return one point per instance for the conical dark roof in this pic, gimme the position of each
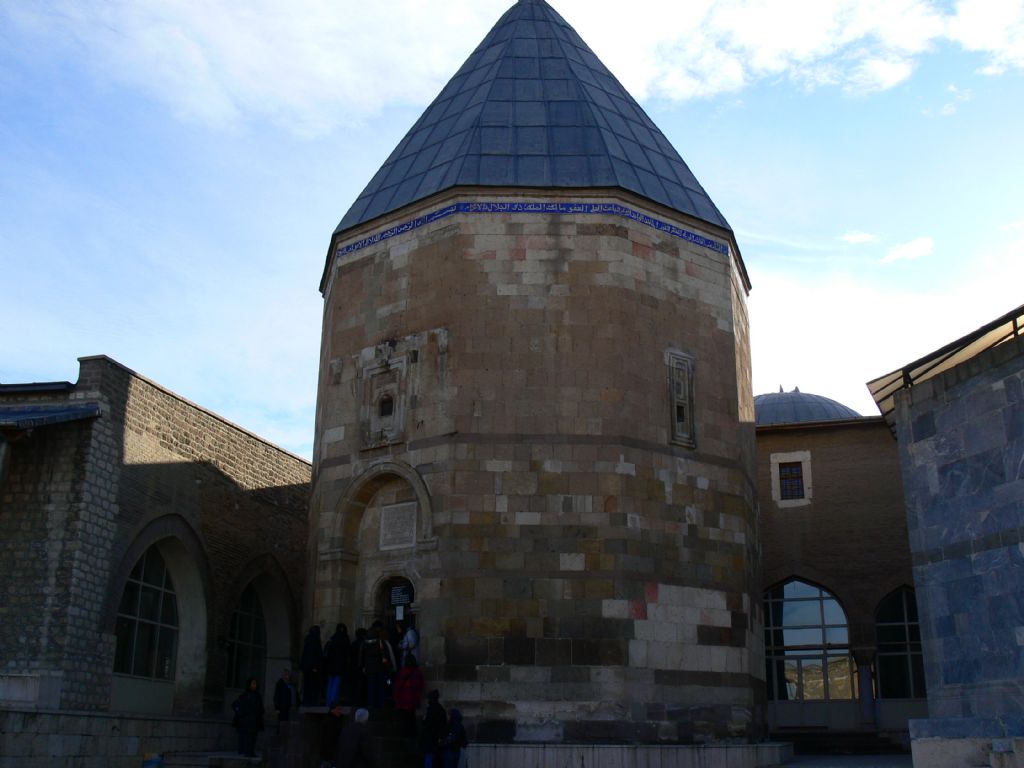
(533, 107)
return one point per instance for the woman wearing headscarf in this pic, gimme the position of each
(248, 720)
(455, 740)
(312, 668)
(335, 661)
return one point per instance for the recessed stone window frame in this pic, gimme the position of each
(781, 461)
(682, 427)
(147, 621)
(247, 641)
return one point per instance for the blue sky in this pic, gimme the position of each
(171, 173)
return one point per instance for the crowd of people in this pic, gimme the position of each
(378, 670)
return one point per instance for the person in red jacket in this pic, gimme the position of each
(409, 693)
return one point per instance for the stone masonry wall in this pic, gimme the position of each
(88, 493)
(961, 438)
(29, 739)
(36, 502)
(584, 578)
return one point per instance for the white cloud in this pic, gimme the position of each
(855, 237)
(313, 64)
(1014, 226)
(993, 27)
(915, 249)
(875, 327)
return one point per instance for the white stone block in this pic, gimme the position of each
(572, 561)
(615, 609)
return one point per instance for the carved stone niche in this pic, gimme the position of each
(388, 380)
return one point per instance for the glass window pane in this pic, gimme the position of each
(244, 628)
(911, 599)
(840, 682)
(800, 589)
(893, 677)
(149, 604)
(802, 613)
(137, 570)
(813, 680)
(890, 610)
(833, 612)
(145, 650)
(769, 676)
(129, 600)
(917, 669)
(837, 636)
(124, 631)
(774, 614)
(154, 568)
(791, 674)
(165, 654)
(892, 634)
(803, 637)
(915, 632)
(259, 633)
(169, 614)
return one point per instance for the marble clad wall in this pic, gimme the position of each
(961, 438)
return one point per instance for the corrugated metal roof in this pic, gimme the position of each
(533, 107)
(28, 416)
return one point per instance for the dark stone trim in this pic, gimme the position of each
(964, 549)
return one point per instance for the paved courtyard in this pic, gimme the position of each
(850, 761)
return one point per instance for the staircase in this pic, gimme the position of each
(821, 742)
(210, 760)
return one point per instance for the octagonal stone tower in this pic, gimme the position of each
(535, 422)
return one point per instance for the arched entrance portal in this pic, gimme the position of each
(383, 526)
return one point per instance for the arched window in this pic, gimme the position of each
(247, 642)
(807, 644)
(900, 665)
(147, 621)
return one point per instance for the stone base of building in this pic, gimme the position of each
(766, 755)
(967, 742)
(31, 738)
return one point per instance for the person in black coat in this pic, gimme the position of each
(312, 668)
(248, 717)
(354, 683)
(330, 734)
(285, 697)
(435, 726)
(336, 662)
(354, 746)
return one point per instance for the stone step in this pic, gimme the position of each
(210, 760)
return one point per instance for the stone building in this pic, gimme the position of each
(842, 637)
(959, 416)
(535, 424)
(151, 557)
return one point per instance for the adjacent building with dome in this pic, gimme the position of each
(842, 642)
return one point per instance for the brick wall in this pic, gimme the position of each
(851, 538)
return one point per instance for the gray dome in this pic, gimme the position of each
(797, 407)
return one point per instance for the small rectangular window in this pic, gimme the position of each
(791, 480)
(681, 396)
